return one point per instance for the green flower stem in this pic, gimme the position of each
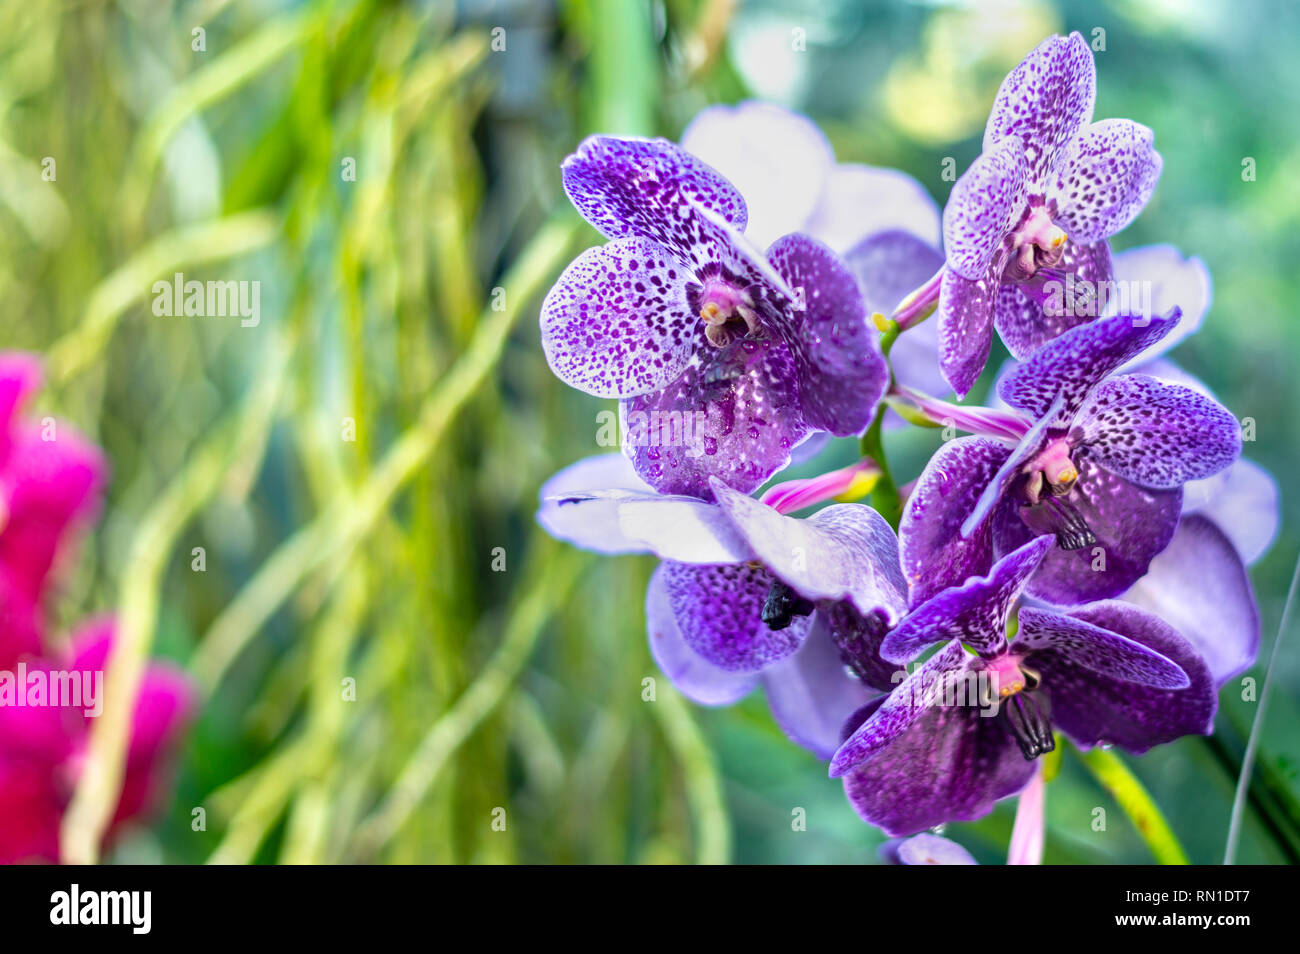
(884, 498)
(1135, 801)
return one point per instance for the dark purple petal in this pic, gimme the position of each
(974, 612)
(846, 551)
(698, 680)
(1044, 101)
(1105, 178)
(947, 763)
(1132, 524)
(1095, 649)
(901, 709)
(983, 205)
(1073, 364)
(651, 189)
(811, 693)
(719, 612)
(842, 374)
(858, 638)
(965, 319)
(737, 411)
(617, 322)
(1092, 708)
(1025, 325)
(1199, 585)
(935, 555)
(1156, 434)
(1021, 454)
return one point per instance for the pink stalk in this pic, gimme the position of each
(984, 421)
(1026, 846)
(916, 305)
(794, 495)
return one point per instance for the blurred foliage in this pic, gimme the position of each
(213, 137)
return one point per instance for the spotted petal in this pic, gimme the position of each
(617, 323)
(842, 374)
(1094, 708)
(719, 613)
(736, 411)
(1095, 649)
(650, 189)
(1105, 179)
(1045, 101)
(697, 679)
(983, 206)
(974, 612)
(1156, 434)
(966, 326)
(1073, 364)
(935, 554)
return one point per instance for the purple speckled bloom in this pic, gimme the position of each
(746, 595)
(964, 729)
(724, 359)
(1100, 466)
(1034, 210)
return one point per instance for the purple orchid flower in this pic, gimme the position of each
(1036, 208)
(1100, 464)
(747, 596)
(741, 356)
(965, 728)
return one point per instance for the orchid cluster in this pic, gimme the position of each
(51, 690)
(1075, 567)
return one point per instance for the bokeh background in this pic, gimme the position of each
(497, 676)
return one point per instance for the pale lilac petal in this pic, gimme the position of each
(580, 503)
(1025, 324)
(1096, 649)
(695, 678)
(1073, 364)
(650, 189)
(1044, 101)
(719, 614)
(965, 320)
(900, 710)
(811, 693)
(860, 201)
(842, 374)
(984, 204)
(1094, 709)
(778, 160)
(1155, 434)
(617, 323)
(928, 849)
(846, 551)
(935, 554)
(1132, 524)
(1105, 179)
(1151, 281)
(974, 612)
(1243, 502)
(1199, 585)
